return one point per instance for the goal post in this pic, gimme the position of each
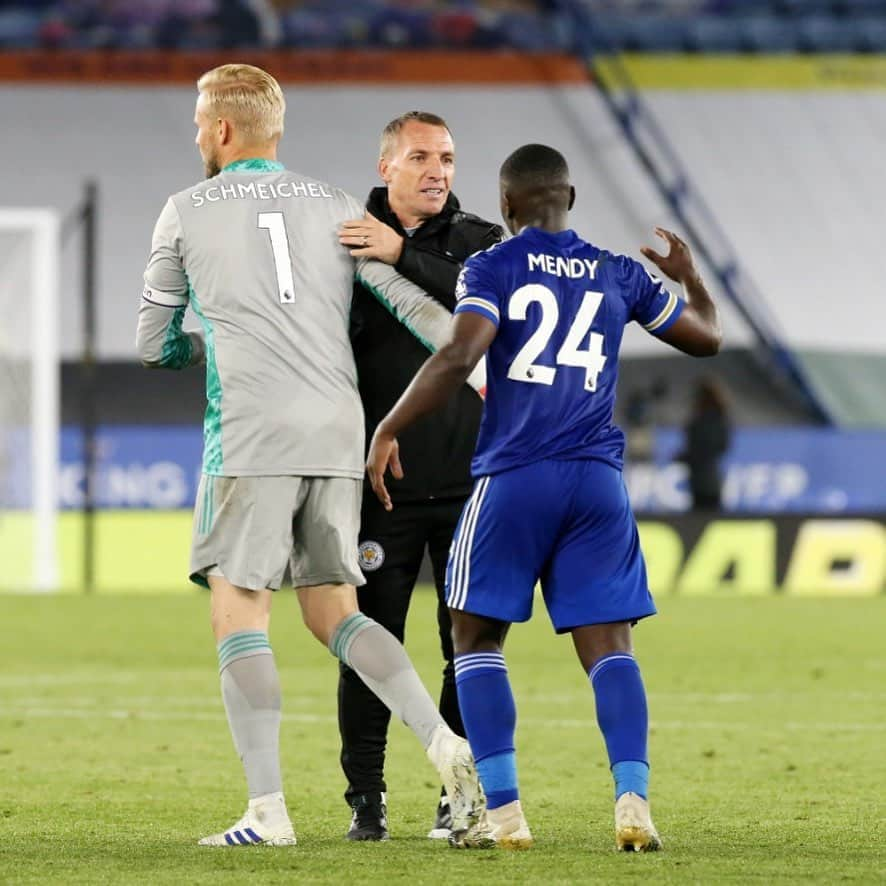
(30, 249)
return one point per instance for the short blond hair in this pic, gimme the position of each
(247, 96)
(391, 132)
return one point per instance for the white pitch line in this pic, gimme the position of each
(721, 697)
(110, 714)
(68, 679)
(199, 716)
(91, 679)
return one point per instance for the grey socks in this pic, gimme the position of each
(251, 692)
(383, 665)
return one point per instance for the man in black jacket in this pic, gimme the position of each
(415, 224)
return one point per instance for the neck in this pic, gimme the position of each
(407, 219)
(553, 222)
(250, 152)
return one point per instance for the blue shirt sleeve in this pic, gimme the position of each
(477, 288)
(654, 307)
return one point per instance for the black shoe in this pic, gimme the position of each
(443, 822)
(370, 820)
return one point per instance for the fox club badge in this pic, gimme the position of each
(371, 555)
(461, 288)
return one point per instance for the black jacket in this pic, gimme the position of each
(436, 451)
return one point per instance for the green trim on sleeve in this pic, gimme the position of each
(178, 349)
(393, 312)
(212, 421)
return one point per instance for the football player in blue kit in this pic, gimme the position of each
(548, 310)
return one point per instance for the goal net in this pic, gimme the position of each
(29, 398)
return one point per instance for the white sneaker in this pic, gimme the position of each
(634, 831)
(266, 822)
(502, 828)
(452, 756)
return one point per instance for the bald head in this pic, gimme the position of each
(535, 188)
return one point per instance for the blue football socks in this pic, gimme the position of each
(490, 718)
(623, 719)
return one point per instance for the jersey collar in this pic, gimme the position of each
(254, 164)
(561, 238)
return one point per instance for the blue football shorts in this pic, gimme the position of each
(567, 524)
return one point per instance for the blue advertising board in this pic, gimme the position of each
(773, 470)
(767, 470)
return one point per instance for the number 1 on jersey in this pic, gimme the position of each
(275, 225)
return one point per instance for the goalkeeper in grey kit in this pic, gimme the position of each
(254, 252)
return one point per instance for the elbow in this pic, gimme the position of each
(146, 355)
(715, 342)
(149, 356)
(460, 360)
(710, 345)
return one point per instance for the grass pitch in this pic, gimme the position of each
(768, 745)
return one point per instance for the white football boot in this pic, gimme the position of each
(634, 831)
(452, 756)
(501, 828)
(266, 822)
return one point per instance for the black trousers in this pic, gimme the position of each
(400, 538)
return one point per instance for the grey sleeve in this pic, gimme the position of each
(422, 315)
(160, 340)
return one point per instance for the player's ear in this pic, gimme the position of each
(505, 205)
(571, 197)
(383, 168)
(224, 131)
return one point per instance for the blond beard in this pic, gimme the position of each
(211, 166)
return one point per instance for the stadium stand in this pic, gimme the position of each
(749, 26)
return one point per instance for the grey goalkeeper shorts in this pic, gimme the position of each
(249, 529)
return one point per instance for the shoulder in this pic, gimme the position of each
(464, 219)
(295, 175)
(500, 251)
(474, 228)
(169, 220)
(618, 267)
(323, 188)
(185, 197)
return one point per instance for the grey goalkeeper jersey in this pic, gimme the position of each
(255, 253)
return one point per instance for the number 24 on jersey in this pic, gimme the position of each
(591, 359)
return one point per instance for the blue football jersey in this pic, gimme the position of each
(561, 306)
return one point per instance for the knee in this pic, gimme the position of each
(473, 634)
(233, 609)
(324, 607)
(216, 622)
(594, 642)
(320, 625)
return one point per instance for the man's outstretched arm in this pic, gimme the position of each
(438, 379)
(697, 331)
(421, 314)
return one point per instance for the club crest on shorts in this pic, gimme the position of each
(371, 555)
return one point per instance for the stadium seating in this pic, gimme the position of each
(526, 25)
